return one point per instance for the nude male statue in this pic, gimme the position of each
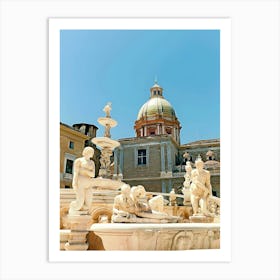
(201, 187)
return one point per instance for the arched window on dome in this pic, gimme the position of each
(168, 130)
(152, 131)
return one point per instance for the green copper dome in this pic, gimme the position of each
(156, 106)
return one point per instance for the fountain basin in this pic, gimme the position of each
(107, 121)
(105, 142)
(107, 184)
(176, 236)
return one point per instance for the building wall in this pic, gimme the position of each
(67, 135)
(161, 172)
(201, 148)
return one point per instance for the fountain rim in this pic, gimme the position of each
(109, 143)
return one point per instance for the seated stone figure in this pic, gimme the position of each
(138, 195)
(124, 207)
(130, 207)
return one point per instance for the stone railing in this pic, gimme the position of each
(178, 174)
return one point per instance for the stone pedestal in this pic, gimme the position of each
(64, 236)
(201, 219)
(77, 238)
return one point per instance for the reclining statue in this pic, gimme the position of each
(129, 207)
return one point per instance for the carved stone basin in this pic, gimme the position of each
(105, 142)
(107, 121)
(107, 184)
(180, 236)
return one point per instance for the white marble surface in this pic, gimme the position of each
(145, 227)
(155, 237)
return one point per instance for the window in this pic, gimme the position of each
(168, 130)
(71, 145)
(69, 166)
(142, 157)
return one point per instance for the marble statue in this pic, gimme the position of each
(172, 198)
(157, 204)
(130, 207)
(138, 193)
(200, 188)
(83, 181)
(187, 183)
(124, 207)
(107, 109)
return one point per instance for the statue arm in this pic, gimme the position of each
(88, 171)
(208, 183)
(91, 171)
(76, 169)
(118, 211)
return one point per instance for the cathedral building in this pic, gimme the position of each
(155, 157)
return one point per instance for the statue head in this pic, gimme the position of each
(88, 152)
(107, 109)
(188, 167)
(138, 192)
(125, 189)
(199, 164)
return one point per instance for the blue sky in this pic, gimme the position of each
(120, 66)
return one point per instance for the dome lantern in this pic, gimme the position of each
(156, 90)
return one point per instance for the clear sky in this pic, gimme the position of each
(120, 66)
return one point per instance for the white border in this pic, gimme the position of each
(255, 77)
(222, 24)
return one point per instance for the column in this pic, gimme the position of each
(169, 160)
(135, 152)
(116, 156)
(162, 158)
(158, 129)
(145, 131)
(163, 188)
(121, 161)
